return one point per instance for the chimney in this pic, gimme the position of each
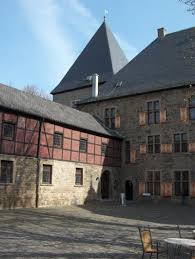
(95, 85)
(161, 33)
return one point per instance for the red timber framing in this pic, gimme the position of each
(28, 135)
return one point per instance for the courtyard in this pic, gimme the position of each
(96, 230)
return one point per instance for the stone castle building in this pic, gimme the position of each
(131, 129)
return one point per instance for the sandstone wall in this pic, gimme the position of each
(63, 190)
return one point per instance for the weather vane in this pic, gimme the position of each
(105, 13)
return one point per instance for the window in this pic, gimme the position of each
(154, 144)
(83, 145)
(6, 175)
(57, 140)
(192, 108)
(153, 182)
(104, 149)
(180, 142)
(181, 180)
(153, 108)
(110, 117)
(127, 151)
(8, 131)
(47, 174)
(79, 176)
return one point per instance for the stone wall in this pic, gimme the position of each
(22, 192)
(130, 107)
(67, 97)
(63, 190)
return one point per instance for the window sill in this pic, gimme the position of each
(78, 185)
(46, 184)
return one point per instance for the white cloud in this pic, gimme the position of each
(80, 17)
(45, 19)
(62, 28)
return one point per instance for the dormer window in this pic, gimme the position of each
(73, 103)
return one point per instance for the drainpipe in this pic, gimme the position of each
(38, 165)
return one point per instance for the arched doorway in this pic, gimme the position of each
(129, 190)
(105, 185)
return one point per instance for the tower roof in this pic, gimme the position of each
(167, 63)
(102, 55)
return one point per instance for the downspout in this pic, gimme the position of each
(38, 165)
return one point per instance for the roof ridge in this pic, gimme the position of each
(183, 30)
(106, 29)
(43, 99)
(102, 55)
(15, 99)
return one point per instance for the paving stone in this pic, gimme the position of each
(96, 230)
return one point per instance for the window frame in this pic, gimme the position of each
(180, 193)
(153, 182)
(80, 183)
(180, 144)
(12, 172)
(51, 174)
(153, 112)
(110, 117)
(13, 125)
(61, 139)
(155, 146)
(86, 145)
(127, 152)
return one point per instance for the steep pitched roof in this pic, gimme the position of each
(102, 55)
(164, 64)
(20, 101)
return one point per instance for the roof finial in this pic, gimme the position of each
(105, 13)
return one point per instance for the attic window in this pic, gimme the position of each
(119, 84)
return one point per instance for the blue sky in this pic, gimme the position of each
(40, 39)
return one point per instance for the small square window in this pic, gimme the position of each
(47, 174)
(8, 131)
(79, 176)
(83, 145)
(6, 174)
(57, 140)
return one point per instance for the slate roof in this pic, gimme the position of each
(102, 55)
(21, 101)
(164, 64)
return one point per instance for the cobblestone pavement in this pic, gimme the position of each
(96, 230)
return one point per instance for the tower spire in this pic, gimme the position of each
(105, 13)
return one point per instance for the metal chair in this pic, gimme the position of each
(148, 246)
